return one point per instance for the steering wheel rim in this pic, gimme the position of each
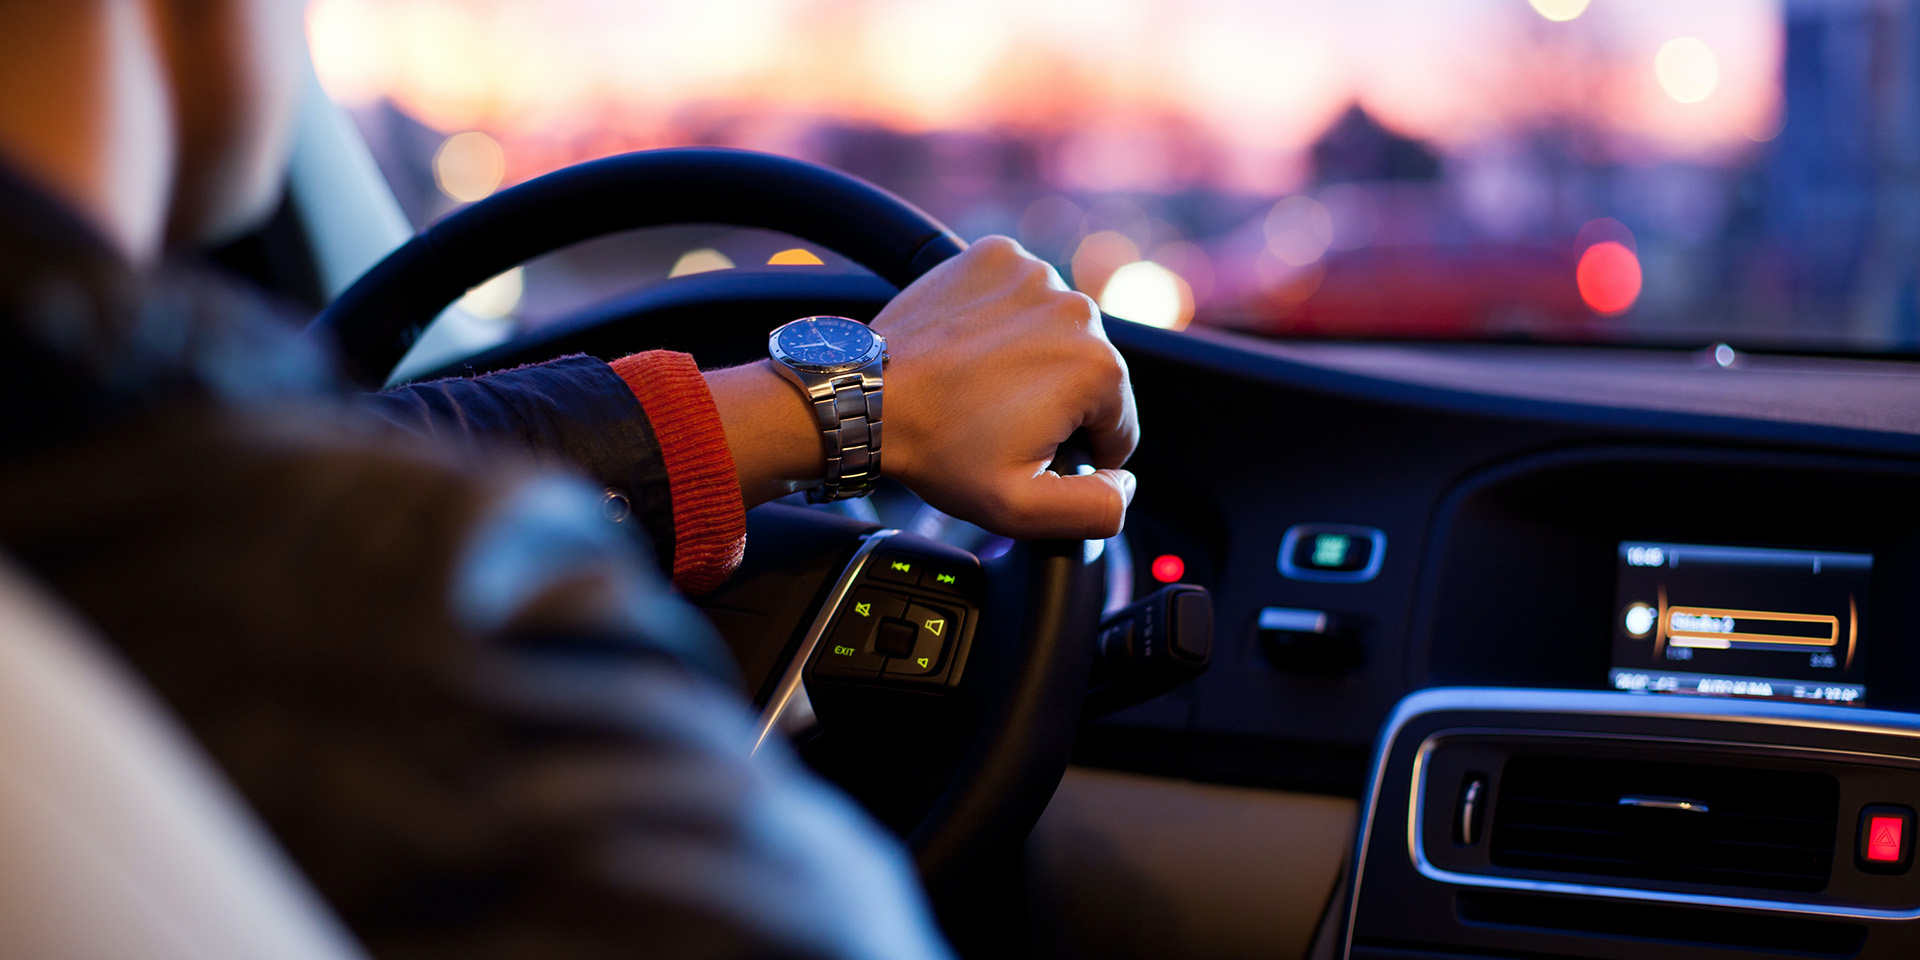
(1026, 726)
(376, 320)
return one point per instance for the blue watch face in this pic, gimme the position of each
(825, 340)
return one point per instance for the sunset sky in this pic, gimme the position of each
(1122, 80)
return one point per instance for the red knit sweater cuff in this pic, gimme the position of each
(709, 519)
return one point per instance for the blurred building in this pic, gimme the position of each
(1843, 181)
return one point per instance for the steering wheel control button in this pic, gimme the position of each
(895, 638)
(840, 658)
(1885, 843)
(1332, 552)
(897, 566)
(946, 577)
(932, 628)
(849, 651)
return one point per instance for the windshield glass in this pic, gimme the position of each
(1634, 171)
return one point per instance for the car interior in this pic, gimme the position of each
(1442, 637)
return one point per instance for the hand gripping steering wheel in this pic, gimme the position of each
(1009, 675)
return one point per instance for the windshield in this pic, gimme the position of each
(1634, 171)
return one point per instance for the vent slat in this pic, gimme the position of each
(1596, 860)
(1608, 804)
(1823, 848)
(1764, 828)
(1772, 821)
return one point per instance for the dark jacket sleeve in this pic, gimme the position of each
(574, 412)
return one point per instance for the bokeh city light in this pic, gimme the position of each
(1687, 69)
(469, 166)
(1290, 167)
(1609, 277)
(1559, 11)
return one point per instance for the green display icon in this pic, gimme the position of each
(902, 566)
(924, 662)
(936, 626)
(840, 651)
(1330, 549)
(863, 609)
(946, 578)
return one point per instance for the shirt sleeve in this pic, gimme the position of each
(645, 427)
(709, 518)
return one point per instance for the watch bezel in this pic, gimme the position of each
(875, 347)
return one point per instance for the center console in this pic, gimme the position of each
(1553, 823)
(1667, 712)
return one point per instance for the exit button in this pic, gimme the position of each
(1885, 843)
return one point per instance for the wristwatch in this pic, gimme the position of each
(836, 362)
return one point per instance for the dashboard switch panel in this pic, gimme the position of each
(1332, 552)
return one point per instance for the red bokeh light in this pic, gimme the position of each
(1168, 568)
(1609, 278)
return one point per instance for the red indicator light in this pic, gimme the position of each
(1883, 838)
(1168, 568)
(1608, 277)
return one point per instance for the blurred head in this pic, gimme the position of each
(158, 120)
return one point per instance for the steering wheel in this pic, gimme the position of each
(1002, 689)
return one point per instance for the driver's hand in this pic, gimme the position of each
(994, 364)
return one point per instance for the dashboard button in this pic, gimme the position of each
(1332, 552)
(1336, 552)
(1885, 840)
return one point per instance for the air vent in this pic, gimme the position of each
(1682, 823)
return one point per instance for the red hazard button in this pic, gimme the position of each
(1883, 838)
(1886, 839)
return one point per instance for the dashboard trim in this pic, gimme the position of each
(1598, 703)
(1302, 366)
(1416, 841)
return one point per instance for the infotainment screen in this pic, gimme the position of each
(1741, 622)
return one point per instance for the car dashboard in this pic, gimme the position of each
(1609, 642)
